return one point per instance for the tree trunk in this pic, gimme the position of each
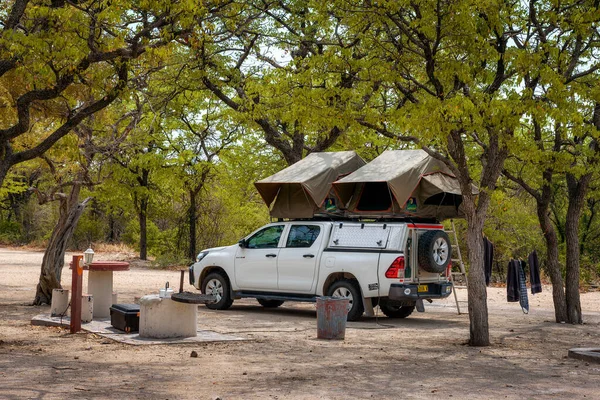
(143, 214)
(577, 190)
(192, 223)
(553, 265)
(54, 257)
(113, 233)
(477, 294)
(4, 167)
(143, 218)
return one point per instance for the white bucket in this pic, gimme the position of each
(60, 302)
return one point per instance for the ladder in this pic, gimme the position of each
(457, 261)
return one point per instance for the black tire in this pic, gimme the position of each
(270, 303)
(349, 288)
(396, 311)
(435, 251)
(216, 283)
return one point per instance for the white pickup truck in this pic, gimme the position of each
(390, 264)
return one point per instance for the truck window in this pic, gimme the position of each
(302, 235)
(266, 239)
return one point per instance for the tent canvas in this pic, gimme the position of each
(304, 188)
(402, 183)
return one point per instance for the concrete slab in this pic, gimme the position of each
(103, 328)
(586, 354)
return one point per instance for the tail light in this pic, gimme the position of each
(396, 270)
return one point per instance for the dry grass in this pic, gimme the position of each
(114, 248)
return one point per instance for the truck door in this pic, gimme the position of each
(256, 264)
(297, 261)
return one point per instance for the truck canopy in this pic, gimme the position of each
(402, 183)
(304, 188)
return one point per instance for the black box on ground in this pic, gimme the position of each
(125, 317)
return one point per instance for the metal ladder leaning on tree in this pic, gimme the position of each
(457, 261)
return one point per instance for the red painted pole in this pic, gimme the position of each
(76, 282)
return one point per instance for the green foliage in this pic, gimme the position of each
(513, 225)
(229, 93)
(89, 230)
(10, 232)
(159, 241)
(170, 260)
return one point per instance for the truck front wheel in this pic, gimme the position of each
(217, 285)
(349, 289)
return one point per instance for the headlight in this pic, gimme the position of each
(201, 255)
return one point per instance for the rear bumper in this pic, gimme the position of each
(400, 291)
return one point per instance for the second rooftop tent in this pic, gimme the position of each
(402, 183)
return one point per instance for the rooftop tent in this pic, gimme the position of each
(304, 188)
(402, 183)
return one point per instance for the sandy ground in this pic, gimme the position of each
(423, 356)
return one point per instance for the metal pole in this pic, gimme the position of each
(76, 282)
(181, 282)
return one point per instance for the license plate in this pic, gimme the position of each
(422, 288)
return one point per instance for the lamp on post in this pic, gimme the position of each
(88, 256)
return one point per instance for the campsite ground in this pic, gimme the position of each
(423, 356)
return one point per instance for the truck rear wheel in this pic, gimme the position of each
(434, 251)
(349, 289)
(216, 284)
(396, 311)
(269, 303)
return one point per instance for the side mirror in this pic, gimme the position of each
(243, 244)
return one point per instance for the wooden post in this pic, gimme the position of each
(76, 282)
(181, 281)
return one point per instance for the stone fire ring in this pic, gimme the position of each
(586, 354)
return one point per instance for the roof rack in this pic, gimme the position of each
(361, 218)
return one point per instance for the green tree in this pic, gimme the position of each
(70, 171)
(61, 61)
(561, 80)
(286, 71)
(447, 81)
(136, 167)
(198, 133)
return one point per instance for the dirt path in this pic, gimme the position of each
(423, 356)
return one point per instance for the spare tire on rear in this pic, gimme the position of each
(434, 251)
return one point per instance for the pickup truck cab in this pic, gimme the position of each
(390, 264)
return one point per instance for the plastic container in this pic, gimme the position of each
(332, 313)
(125, 317)
(165, 292)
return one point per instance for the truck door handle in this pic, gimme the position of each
(309, 256)
(271, 255)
